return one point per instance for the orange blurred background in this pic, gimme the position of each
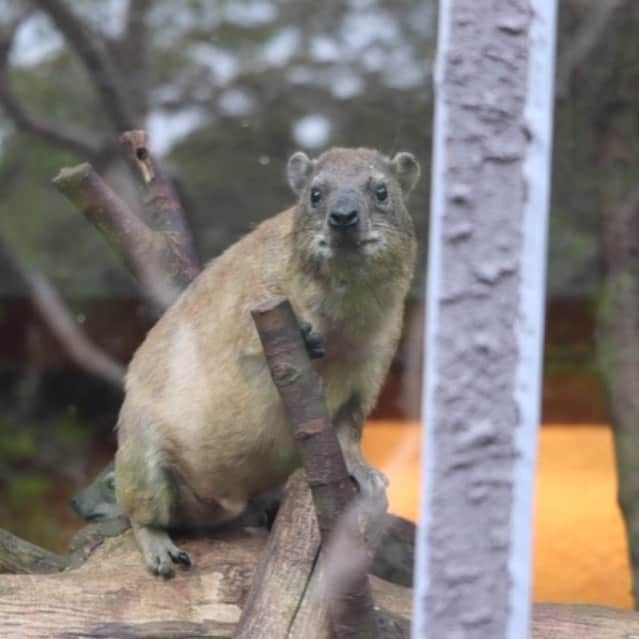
(580, 547)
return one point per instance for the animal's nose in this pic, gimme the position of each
(343, 218)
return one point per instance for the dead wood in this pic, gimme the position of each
(285, 565)
(145, 252)
(111, 595)
(161, 209)
(18, 556)
(302, 392)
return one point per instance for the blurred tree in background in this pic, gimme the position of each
(227, 90)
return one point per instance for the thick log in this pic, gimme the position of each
(111, 595)
(302, 391)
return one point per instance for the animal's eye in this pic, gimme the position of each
(381, 193)
(110, 483)
(316, 197)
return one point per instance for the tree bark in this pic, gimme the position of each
(618, 317)
(161, 209)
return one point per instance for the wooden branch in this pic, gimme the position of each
(54, 312)
(18, 556)
(162, 210)
(301, 389)
(145, 252)
(93, 56)
(284, 568)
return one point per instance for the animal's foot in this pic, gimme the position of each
(314, 341)
(159, 552)
(370, 482)
(372, 506)
(264, 508)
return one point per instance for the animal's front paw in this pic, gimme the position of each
(314, 341)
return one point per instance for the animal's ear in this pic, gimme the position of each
(406, 169)
(298, 171)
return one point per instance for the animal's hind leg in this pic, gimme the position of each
(146, 492)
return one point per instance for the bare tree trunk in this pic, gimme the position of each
(618, 317)
(485, 317)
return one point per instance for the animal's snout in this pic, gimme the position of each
(344, 211)
(343, 217)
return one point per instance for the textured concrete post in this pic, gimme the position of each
(492, 143)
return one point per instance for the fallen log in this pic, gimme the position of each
(111, 595)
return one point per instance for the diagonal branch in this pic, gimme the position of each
(63, 136)
(152, 256)
(89, 48)
(585, 41)
(300, 386)
(55, 313)
(126, 233)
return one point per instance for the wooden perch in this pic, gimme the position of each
(301, 388)
(152, 257)
(111, 595)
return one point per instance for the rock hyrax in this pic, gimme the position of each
(202, 428)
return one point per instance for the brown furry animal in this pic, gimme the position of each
(202, 428)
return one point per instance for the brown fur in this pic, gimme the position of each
(202, 428)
